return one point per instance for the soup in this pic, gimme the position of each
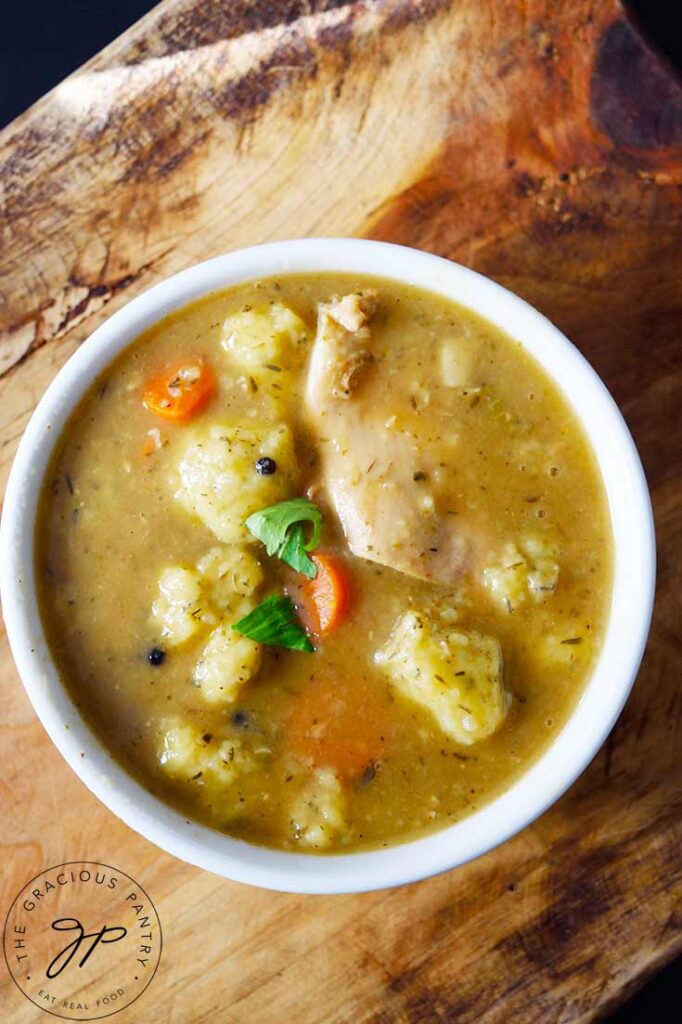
(324, 560)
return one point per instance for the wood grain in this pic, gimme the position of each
(537, 142)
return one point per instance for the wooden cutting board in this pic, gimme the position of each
(537, 142)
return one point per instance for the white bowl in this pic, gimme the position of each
(543, 783)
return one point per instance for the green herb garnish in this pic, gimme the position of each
(274, 622)
(281, 528)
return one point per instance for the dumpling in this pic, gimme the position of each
(455, 675)
(219, 482)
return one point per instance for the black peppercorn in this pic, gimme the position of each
(156, 656)
(368, 774)
(266, 466)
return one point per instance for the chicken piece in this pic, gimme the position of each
(378, 474)
(341, 344)
(454, 675)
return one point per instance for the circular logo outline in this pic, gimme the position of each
(95, 864)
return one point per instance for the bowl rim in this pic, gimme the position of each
(569, 752)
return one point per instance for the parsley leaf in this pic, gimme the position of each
(274, 622)
(280, 527)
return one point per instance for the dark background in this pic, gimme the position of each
(42, 43)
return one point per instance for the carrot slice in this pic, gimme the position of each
(339, 724)
(180, 390)
(324, 600)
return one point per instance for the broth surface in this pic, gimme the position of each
(493, 444)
